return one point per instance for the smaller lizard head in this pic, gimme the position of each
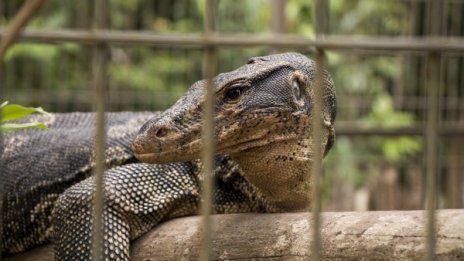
(265, 101)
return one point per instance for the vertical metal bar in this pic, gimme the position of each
(210, 61)
(316, 171)
(278, 20)
(278, 16)
(321, 15)
(100, 84)
(432, 122)
(431, 140)
(455, 177)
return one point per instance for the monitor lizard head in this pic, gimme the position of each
(262, 120)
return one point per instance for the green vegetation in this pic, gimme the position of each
(11, 112)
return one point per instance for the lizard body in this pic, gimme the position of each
(263, 162)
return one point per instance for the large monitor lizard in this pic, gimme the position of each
(264, 153)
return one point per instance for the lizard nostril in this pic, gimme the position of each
(161, 132)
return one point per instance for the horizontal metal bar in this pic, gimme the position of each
(330, 42)
(410, 131)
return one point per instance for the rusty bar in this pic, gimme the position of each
(316, 168)
(321, 19)
(278, 15)
(210, 61)
(321, 16)
(433, 67)
(99, 63)
(431, 141)
(416, 130)
(329, 42)
(278, 21)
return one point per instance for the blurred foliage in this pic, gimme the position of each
(152, 73)
(300, 17)
(367, 17)
(364, 83)
(384, 116)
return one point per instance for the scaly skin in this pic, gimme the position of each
(263, 162)
(264, 126)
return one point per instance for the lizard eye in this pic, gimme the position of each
(232, 94)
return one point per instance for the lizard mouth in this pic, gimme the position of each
(191, 151)
(184, 153)
(230, 142)
(146, 157)
(251, 144)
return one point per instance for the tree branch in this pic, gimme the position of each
(345, 235)
(28, 10)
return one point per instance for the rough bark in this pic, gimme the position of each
(378, 235)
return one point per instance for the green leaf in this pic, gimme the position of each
(15, 126)
(14, 111)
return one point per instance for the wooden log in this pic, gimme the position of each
(376, 235)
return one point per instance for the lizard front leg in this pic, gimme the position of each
(138, 197)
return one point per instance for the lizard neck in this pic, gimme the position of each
(281, 172)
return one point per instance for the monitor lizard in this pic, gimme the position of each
(263, 160)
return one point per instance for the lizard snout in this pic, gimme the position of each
(150, 140)
(143, 148)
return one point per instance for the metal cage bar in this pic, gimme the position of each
(316, 165)
(99, 64)
(209, 69)
(321, 26)
(435, 18)
(329, 42)
(416, 130)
